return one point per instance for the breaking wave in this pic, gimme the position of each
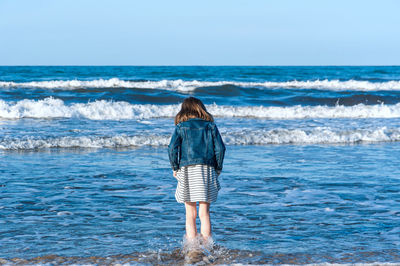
(184, 85)
(49, 108)
(317, 135)
(120, 141)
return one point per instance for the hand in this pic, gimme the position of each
(218, 172)
(174, 174)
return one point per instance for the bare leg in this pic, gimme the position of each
(204, 213)
(191, 214)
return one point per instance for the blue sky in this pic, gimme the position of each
(207, 32)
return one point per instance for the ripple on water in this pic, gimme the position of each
(217, 255)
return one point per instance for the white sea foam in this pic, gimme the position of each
(109, 110)
(240, 137)
(185, 85)
(318, 135)
(120, 141)
(301, 112)
(97, 110)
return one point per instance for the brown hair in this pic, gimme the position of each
(192, 108)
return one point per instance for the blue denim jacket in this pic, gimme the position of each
(196, 141)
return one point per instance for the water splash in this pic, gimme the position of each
(199, 250)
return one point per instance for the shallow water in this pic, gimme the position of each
(308, 203)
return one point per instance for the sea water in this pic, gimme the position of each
(311, 172)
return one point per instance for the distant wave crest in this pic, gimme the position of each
(243, 137)
(49, 108)
(190, 85)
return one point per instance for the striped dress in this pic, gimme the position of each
(196, 183)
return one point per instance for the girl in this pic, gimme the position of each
(196, 153)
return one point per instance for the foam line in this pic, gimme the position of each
(49, 108)
(184, 85)
(241, 137)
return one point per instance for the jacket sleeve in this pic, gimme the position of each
(219, 148)
(174, 149)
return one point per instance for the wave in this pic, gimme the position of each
(120, 141)
(186, 86)
(317, 135)
(97, 110)
(49, 108)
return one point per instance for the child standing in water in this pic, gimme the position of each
(196, 153)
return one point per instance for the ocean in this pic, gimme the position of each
(311, 171)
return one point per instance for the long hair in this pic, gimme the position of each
(192, 108)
